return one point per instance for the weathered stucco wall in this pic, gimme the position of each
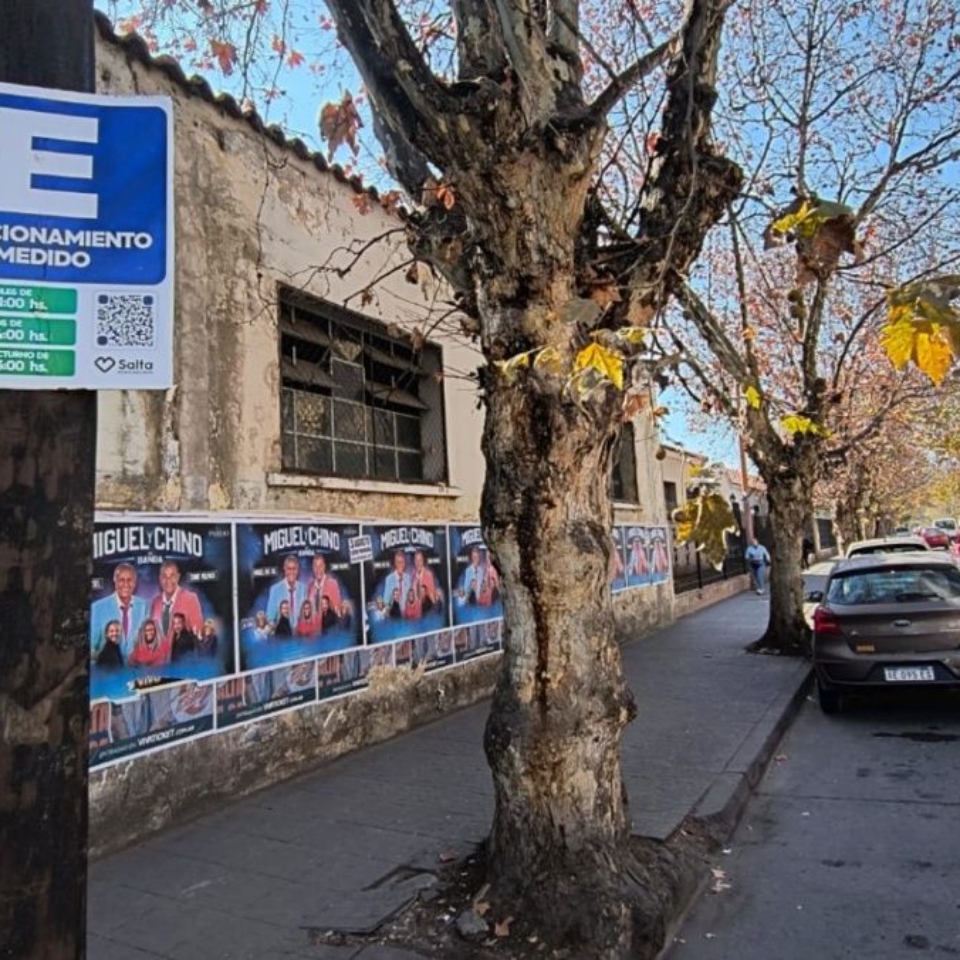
(251, 215)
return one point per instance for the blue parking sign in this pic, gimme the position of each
(86, 240)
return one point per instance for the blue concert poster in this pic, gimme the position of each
(407, 581)
(298, 592)
(342, 673)
(432, 651)
(476, 640)
(266, 691)
(159, 717)
(618, 573)
(161, 606)
(476, 582)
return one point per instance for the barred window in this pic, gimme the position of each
(356, 399)
(624, 482)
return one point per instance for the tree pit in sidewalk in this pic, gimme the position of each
(457, 918)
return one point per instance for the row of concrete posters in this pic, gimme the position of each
(199, 626)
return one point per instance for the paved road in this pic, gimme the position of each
(850, 847)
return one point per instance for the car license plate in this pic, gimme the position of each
(907, 674)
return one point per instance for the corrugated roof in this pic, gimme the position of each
(133, 45)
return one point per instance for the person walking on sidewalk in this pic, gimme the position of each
(758, 560)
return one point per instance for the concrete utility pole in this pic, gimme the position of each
(47, 446)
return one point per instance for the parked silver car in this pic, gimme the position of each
(899, 544)
(814, 585)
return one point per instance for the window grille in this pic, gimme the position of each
(356, 400)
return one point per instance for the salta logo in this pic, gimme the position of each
(105, 364)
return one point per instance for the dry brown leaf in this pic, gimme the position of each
(446, 196)
(339, 123)
(605, 295)
(481, 907)
(363, 202)
(634, 402)
(502, 929)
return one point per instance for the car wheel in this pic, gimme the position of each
(831, 701)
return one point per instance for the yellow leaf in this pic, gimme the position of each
(797, 423)
(792, 219)
(804, 219)
(516, 363)
(933, 355)
(605, 362)
(927, 299)
(923, 326)
(705, 521)
(632, 335)
(752, 395)
(897, 339)
(548, 359)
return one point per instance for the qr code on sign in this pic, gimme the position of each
(126, 320)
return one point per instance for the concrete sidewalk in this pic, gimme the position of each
(346, 845)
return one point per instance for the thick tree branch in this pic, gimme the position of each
(623, 82)
(690, 184)
(711, 329)
(413, 106)
(480, 44)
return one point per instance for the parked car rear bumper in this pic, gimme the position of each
(869, 672)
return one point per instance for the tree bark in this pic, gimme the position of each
(558, 845)
(790, 495)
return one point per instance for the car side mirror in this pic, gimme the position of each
(814, 596)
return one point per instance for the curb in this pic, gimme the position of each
(719, 810)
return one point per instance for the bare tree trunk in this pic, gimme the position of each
(846, 522)
(791, 503)
(559, 840)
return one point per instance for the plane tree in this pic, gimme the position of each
(839, 252)
(504, 125)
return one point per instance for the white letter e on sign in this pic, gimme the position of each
(20, 161)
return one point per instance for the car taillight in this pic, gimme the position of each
(825, 623)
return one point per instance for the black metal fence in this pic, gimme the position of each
(692, 572)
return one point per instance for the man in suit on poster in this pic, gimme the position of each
(322, 585)
(290, 589)
(122, 605)
(396, 586)
(172, 599)
(424, 584)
